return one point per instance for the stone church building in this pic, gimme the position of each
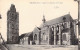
(59, 31)
(12, 25)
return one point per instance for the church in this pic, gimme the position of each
(59, 31)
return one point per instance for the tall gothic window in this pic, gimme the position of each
(52, 30)
(71, 25)
(64, 25)
(35, 37)
(52, 35)
(64, 19)
(57, 33)
(57, 29)
(43, 36)
(64, 37)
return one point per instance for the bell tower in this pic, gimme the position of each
(12, 25)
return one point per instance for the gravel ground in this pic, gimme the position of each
(41, 47)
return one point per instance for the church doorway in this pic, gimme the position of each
(64, 38)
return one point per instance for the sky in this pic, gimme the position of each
(31, 12)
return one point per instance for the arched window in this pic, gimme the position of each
(57, 29)
(52, 30)
(35, 37)
(71, 24)
(64, 19)
(64, 37)
(43, 36)
(64, 25)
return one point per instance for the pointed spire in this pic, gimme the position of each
(12, 8)
(43, 19)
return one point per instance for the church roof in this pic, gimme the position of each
(67, 18)
(25, 35)
(28, 34)
(35, 29)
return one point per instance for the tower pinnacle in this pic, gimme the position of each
(44, 20)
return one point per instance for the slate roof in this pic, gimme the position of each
(55, 21)
(25, 35)
(58, 20)
(28, 34)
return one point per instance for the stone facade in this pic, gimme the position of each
(12, 25)
(59, 31)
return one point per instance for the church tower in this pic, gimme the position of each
(12, 25)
